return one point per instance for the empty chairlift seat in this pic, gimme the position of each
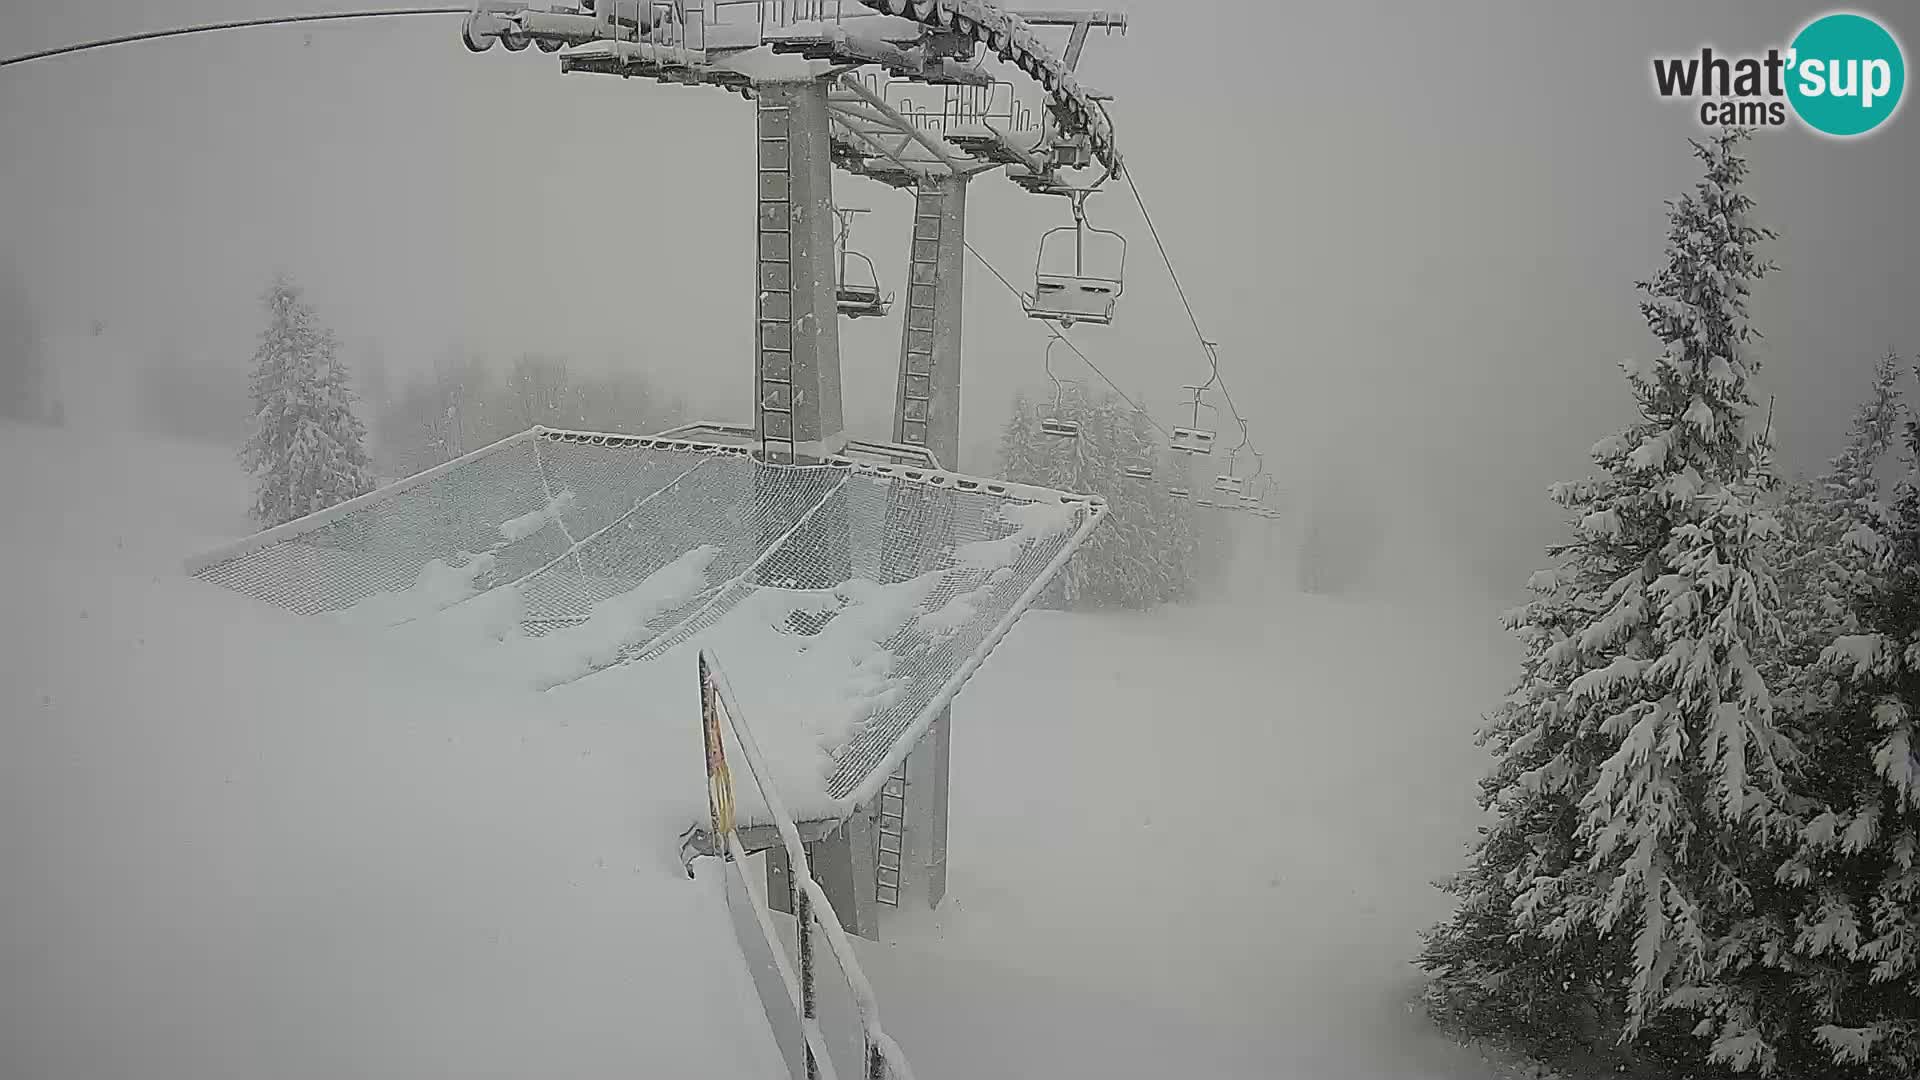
(1080, 271)
(1192, 440)
(1067, 298)
(1053, 423)
(857, 295)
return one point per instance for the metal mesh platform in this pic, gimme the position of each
(573, 520)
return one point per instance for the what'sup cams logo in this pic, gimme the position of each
(1842, 75)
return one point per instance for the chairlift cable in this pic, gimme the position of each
(236, 24)
(1167, 259)
(1115, 387)
(1061, 336)
(377, 13)
(1154, 231)
(1219, 380)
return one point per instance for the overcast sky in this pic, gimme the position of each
(1414, 227)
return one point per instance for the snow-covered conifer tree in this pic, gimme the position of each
(1845, 536)
(1696, 776)
(1843, 905)
(306, 451)
(1638, 756)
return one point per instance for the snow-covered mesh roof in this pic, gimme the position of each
(850, 599)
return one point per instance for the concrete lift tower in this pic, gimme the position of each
(897, 91)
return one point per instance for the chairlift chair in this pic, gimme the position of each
(858, 295)
(1137, 472)
(1208, 503)
(857, 292)
(1194, 439)
(1191, 440)
(1053, 423)
(1178, 492)
(1083, 295)
(1228, 483)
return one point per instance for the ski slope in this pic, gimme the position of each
(242, 843)
(1197, 843)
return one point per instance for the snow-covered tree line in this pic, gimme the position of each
(467, 402)
(1341, 543)
(23, 377)
(1705, 801)
(1154, 548)
(310, 448)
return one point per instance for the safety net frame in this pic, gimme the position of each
(572, 518)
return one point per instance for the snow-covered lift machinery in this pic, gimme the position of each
(1053, 423)
(1087, 292)
(857, 290)
(895, 91)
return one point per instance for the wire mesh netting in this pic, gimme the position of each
(923, 570)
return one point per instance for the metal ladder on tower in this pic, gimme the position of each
(890, 839)
(775, 258)
(923, 269)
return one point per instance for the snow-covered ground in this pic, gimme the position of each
(1198, 843)
(240, 843)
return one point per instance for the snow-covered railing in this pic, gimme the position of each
(721, 715)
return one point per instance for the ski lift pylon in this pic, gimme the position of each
(1053, 423)
(857, 291)
(1083, 295)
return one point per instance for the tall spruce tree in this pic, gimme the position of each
(1841, 955)
(1638, 758)
(306, 451)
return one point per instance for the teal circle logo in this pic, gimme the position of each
(1846, 74)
